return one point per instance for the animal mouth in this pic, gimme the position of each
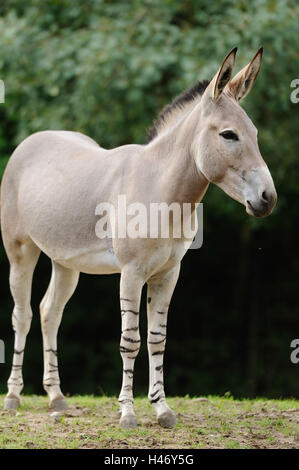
(251, 210)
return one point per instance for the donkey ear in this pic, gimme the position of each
(242, 83)
(223, 75)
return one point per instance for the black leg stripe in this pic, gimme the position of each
(130, 311)
(156, 399)
(128, 387)
(18, 352)
(127, 350)
(50, 385)
(130, 340)
(159, 382)
(51, 350)
(158, 353)
(157, 342)
(125, 400)
(134, 328)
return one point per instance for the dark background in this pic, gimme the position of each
(106, 69)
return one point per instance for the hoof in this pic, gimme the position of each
(128, 421)
(58, 404)
(56, 416)
(167, 419)
(11, 403)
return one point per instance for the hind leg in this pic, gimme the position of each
(62, 286)
(23, 258)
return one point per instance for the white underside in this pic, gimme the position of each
(104, 262)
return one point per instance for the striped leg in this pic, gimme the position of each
(24, 260)
(62, 286)
(159, 295)
(130, 293)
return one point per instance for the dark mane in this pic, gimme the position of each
(178, 102)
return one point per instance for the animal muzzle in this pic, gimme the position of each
(261, 196)
(263, 204)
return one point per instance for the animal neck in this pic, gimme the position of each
(179, 179)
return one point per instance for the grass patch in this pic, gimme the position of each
(207, 422)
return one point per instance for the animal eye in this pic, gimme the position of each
(229, 135)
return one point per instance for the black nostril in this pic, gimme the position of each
(265, 197)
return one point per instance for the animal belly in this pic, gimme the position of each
(89, 258)
(92, 262)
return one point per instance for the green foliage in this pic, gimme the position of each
(106, 69)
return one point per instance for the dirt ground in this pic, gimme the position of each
(204, 422)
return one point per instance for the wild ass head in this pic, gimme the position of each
(225, 148)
